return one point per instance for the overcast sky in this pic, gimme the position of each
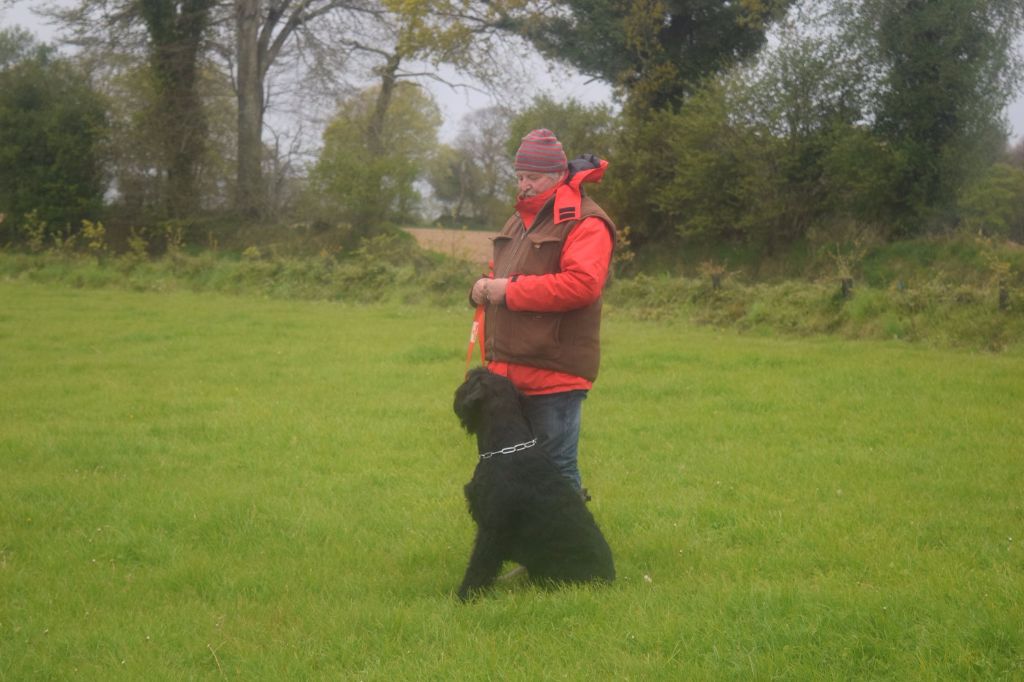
(455, 104)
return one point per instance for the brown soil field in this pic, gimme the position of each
(467, 244)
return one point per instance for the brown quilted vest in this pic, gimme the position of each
(565, 342)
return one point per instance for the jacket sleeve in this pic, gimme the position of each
(584, 264)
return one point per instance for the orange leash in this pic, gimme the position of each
(476, 334)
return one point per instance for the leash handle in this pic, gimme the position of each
(476, 334)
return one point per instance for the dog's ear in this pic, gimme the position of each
(468, 398)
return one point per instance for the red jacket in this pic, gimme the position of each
(585, 259)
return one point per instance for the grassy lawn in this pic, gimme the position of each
(215, 487)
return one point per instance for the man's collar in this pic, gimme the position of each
(569, 197)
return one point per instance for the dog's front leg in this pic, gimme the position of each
(483, 564)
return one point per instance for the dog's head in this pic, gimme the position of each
(483, 389)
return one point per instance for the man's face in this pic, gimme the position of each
(531, 184)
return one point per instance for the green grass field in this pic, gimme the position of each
(216, 487)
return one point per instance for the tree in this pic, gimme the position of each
(947, 72)
(709, 176)
(701, 176)
(658, 53)
(363, 185)
(177, 29)
(994, 205)
(18, 45)
(581, 128)
(453, 179)
(657, 50)
(872, 114)
(391, 39)
(172, 36)
(473, 179)
(52, 130)
(407, 40)
(177, 38)
(136, 155)
(809, 162)
(262, 33)
(325, 41)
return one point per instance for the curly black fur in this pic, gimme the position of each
(525, 511)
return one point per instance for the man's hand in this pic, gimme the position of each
(488, 290)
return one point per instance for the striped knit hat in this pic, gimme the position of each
(540, 152)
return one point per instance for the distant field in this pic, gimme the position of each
(468, 244)
(219, 487)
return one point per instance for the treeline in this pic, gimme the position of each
(757, 124)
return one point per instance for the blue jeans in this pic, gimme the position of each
(555, 419)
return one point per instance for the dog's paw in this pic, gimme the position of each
(518, 571)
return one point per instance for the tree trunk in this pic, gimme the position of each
(388, 80)
(184, 142)
(249, 188)
(176, 32)
(373, 213)
(463, 190)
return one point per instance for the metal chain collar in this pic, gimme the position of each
(511, 449)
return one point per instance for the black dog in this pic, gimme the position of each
(525, 510)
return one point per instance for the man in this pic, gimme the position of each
(543, 298)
